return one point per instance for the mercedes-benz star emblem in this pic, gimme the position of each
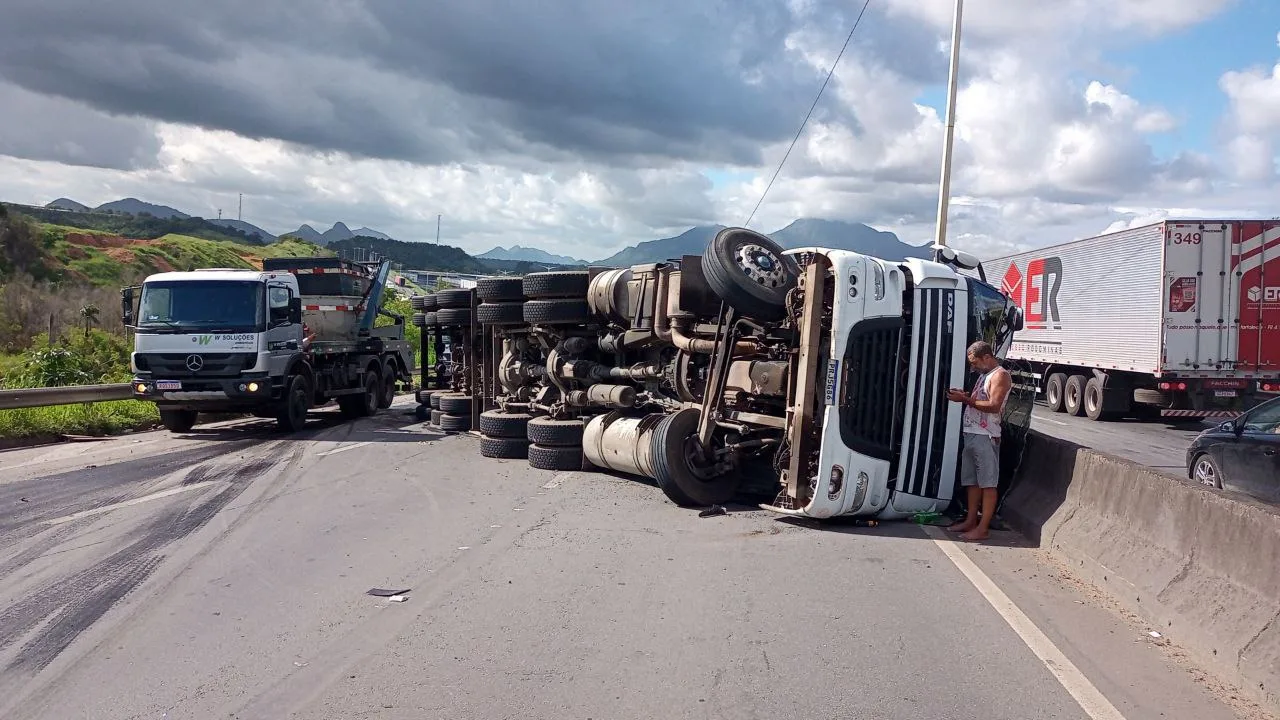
(194, 363)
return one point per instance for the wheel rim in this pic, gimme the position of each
(1073, 396)
(1205, 473)
(761, 265)
(1091, 402)
(1053, 394)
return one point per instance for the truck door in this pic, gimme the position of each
(1199, 297)
(1256, 269)
(283, 335)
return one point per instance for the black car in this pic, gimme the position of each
(1241, 454)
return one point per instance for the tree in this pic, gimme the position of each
(90, 315)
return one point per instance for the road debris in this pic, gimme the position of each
(381, 592)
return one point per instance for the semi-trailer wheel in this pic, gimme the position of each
(562, 311)
(1094, 400)
(1054, 388)
(422, 413)
(556, 284)
(454, 423)
(178, 421)
(500, 313)
(453, 299)
(1073, 396)
(681, 479)
(499, 424)
(455, 404)
(554, 433)
(555, 457)
(293, 406)
(504, 448)
(452, 317)
(749, 272)
(435, 417)
(500, 289)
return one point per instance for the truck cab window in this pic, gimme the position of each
(278, 302)
(988, 310)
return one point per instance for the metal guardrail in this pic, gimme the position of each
(70, 395)
(47, 397)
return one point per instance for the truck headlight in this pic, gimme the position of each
(837, 482)
(878, 280)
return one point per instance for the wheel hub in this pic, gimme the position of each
(761, 265)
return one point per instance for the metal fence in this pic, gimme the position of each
(46, 397)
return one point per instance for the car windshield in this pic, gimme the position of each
(219, 305)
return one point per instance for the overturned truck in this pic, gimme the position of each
(816, 376)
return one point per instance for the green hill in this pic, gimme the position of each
(413, 255)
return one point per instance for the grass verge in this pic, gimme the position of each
(18, 427)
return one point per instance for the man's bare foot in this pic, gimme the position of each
(961, 526)
(974, 535)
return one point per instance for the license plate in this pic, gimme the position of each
(1224, 393)
(168, 384)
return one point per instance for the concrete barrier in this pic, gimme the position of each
(1202, 566)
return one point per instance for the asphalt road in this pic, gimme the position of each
(222, 574)
(1158, 444)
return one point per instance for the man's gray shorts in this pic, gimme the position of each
(979, 461)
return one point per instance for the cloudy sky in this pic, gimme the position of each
(581, 126)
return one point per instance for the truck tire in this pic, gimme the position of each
(388, 393)
(453, 299)
(364, 404)
(504, 448)
(430, 319)
(554, 433)
(557, 457)
(178, 421)
(500, 289)
(293, 406)
(556, 284)
(557, 312)
(749, 272)
(455, 403)
(452, 317)
(672, 468)
(415, 302)
(429, 302)
(454, 423)
(501, 313)
(499, 424)
(1073, 396)
(1054, 389)
(1095, 396)
(435, 417)
(419, 319)
(422, 413)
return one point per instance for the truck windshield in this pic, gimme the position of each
(212, 305)
(988, 308)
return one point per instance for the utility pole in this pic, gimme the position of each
(944, 187)
(240, 212)
(437, 229)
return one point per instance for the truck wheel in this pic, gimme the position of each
(455, 403)
(500, 289)
(1053, 390)
(430, 302)
(749, 272)
(554, 433)
(504, 448)
(388, 394)
(451, 299)
(558, 457)
(366, 403)
(556, 284)
(178, 421)
(454, 423)
(498, 424)
(293, 409)
(422, 413)
(1094, 400)
(500, 313)
(557, 312)
(454, 317)
(1073, 396)
(683, 482)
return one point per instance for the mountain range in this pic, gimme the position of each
(805, 232)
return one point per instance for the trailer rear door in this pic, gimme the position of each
(1256, 267)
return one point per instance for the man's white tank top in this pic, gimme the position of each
(978, 422)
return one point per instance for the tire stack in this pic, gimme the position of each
(501, 301)
(556, 298)
(556, 444)
(503, 435)
(453, 413)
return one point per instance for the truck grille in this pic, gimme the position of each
(871, 403)
(925, 436)
(175, 365)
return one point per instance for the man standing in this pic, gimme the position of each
(980, 450)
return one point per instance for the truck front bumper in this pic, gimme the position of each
(244, 391)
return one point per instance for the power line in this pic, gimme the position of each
(796, 139)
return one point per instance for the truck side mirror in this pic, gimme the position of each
(295, 310)
(1016, 319)
(126, 306)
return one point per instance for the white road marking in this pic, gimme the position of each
(1051, 420)
(135, 501)
(345, 448)
(1091, 700)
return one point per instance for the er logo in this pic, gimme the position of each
(1254, 293)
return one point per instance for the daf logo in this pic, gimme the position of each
(194, 363)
